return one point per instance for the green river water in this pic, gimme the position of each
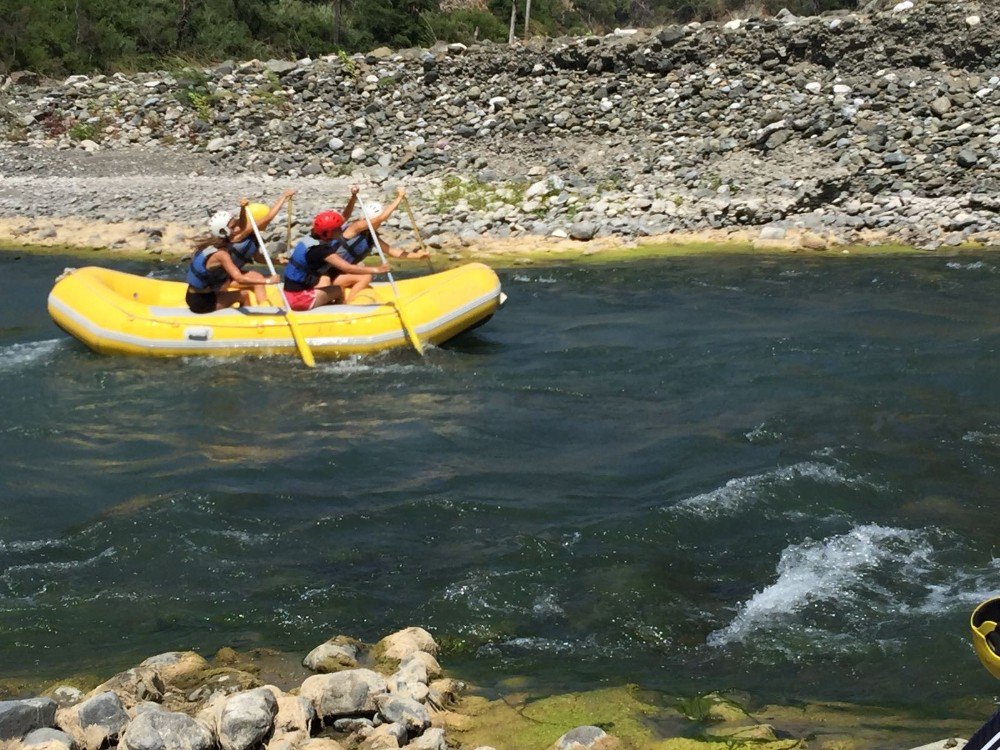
(771, 474)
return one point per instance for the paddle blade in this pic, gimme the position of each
(300, 342)
(410, 333)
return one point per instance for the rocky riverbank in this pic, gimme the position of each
(348, 696)
(840, 129)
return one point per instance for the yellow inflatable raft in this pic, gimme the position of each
(120, 313)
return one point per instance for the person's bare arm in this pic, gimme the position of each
(349, 208)
(387, 211)
(282, 199)
(237, 275)
(344, 267)
(243, 228)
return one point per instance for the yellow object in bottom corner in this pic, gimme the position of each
(985, 637)
(120, 313)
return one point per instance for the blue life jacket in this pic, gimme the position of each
(199, 276)
(305, 268)
(357, 248)
(243, 252)
(203, 278)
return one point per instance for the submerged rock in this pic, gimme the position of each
(66, 695)
(585, 738)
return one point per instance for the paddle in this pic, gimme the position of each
(288, 235)
(300, 342)
(411, 334)
(416, 231)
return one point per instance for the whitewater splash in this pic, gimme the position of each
(841, 591)
(42, 574)
(536, 279)
(974, 266)
(740, 493)
(21, 356)
(371, 364)
(980, 437)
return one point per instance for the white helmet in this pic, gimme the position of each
(373, 209)
(218, 224)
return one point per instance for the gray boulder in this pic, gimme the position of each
(104, 709)
(967, 158)
(332, 656)
(134, 686)
(17, 718)
(47, 737)
(97, 721)
(344, 693)
(156, 729)
(280, 67)
(247, 719)
(406, 711)
(432, 739)
(583, 231)
(385, 737)
(173, 665)
(940, 106)
(403, 643)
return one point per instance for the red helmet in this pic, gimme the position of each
(326, 224)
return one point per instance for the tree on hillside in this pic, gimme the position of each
(64, 36)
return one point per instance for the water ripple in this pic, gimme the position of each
(15, 357)
(739, 494)
(832, 593)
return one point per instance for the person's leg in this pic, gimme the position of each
(259, 289)
(352, 284)
(228, 299)
(331, 294)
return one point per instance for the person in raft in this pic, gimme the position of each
(358, 242)
(326, 267)
(216, 278)
(315, 274)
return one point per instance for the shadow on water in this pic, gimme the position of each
(764, 474)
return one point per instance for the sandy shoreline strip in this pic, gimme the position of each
(172, 241)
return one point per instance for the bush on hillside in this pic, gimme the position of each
(56, 37)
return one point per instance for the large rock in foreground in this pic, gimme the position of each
(174, 665)
(17, 718)
(247, 719)
(393, 649)
(156, 729)
(345, 693)
(97, 721)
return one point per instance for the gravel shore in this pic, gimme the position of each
(805, 132)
